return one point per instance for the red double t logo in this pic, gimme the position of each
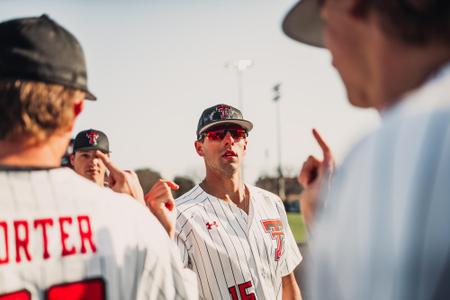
(275, 228)
(92, 136)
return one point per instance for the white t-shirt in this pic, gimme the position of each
(385, 232)
(235, 254)
(61, 236)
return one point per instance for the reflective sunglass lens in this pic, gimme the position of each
(219, 135)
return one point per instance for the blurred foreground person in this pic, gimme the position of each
(384, 231)
(62, 237)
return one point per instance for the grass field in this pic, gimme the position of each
(297, 226)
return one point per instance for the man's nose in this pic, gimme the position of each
(95, 160)
(228, 139)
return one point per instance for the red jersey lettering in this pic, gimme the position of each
(4, 253)
(19, 295)
(85, 233)
(72, 232)
(21, 239)
(43, 223)
(64, 235)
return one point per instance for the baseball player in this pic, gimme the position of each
(84, 159)
(62, 237)
(384, 231)
(235, 236)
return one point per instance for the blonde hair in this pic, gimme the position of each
(35, 109)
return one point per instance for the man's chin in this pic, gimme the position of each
(231, 167)
(91, 177)
(358, 99)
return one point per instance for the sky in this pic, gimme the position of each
(155, 65)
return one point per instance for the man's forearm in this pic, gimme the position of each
(291, 291)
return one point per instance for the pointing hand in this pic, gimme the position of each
(313, 175)
(122, 181)
(161, 203)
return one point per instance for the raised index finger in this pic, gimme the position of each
(325, 149)
(107, 161)
(171, 184)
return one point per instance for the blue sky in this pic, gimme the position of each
(155, 65)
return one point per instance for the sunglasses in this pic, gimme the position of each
(220, 134)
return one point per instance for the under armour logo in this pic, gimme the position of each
(92, 136)
(209, 225)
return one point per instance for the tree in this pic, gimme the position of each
(185, 183)
(270, 184)
(147, 178)
(292, 189)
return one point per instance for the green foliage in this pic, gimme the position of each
(298, 227)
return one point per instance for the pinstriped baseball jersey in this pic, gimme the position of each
(62, 237)
(235, 255)
(385, 232)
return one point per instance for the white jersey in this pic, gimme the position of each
(385, 232)
(62, 237)
(235, 255)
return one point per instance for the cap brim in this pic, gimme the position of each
(90, 148)
(247, 125)
(303, 23)
(90, 96)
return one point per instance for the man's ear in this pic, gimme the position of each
(72, 159)
(245, 145)
(198, 147)
(78, 107)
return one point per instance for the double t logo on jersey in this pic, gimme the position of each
(275, 229)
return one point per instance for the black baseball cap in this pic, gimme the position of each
(304, 24)
(221, 114)
(39, 49)
(91, 139)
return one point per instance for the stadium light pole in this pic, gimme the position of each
(281, 181)
(240, 66)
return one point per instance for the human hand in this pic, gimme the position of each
(122, 181)
(161, 203)
(314, 175)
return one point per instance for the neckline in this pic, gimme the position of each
(27, 168)
(231, 203)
